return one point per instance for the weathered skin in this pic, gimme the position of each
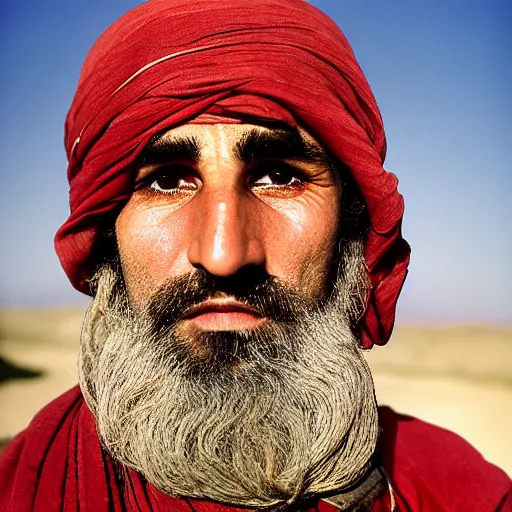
(224, 215)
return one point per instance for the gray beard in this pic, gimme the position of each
(299, 420)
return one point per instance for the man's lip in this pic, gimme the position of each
(220, 306)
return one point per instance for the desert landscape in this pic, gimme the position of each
(458, 377)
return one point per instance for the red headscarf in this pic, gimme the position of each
(168, 61)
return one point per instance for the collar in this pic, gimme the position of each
(371, 489)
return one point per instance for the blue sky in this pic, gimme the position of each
(442, 77)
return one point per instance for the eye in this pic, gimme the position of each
(278, 177)
(170, 184)
(170, 181)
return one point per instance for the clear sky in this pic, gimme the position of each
(441, 72)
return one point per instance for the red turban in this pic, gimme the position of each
(168, 61)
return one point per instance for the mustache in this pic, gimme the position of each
(256, 290)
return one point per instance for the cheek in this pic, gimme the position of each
(298, 237)
(149, 246)
(301, 241)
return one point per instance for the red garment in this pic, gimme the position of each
(167, 61)
(57, 465)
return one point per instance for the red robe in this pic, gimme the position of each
(57, 464)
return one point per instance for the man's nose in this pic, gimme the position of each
(226, 236)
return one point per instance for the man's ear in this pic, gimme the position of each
(104, 252)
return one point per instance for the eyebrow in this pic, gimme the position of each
(162, 150)
(282, 144)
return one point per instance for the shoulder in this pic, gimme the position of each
(22, 460)
(435, 469)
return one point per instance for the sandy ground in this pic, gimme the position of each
(456, 377)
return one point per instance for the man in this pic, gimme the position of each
(232, 220)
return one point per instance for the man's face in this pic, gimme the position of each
(234, 200)
(226, 366)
